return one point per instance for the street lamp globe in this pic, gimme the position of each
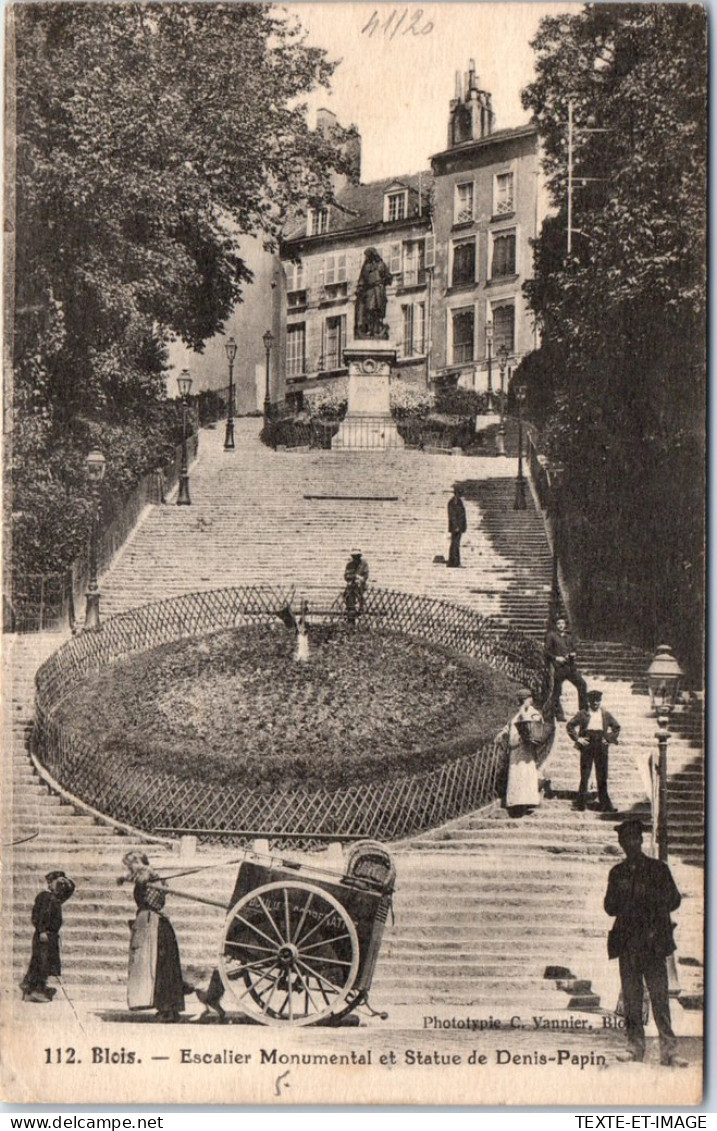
(663, 679)
(268, 338)
(230, 348)
(95, 463)
(184, 383)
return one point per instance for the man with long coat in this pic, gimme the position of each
(641, 893)
(457, 526)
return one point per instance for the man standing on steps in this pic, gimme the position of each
(560, 655)
(456, 526)
(592, 731)
(356, 577)
(641, 893)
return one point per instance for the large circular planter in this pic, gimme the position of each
(159, 801)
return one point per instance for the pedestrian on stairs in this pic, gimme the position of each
(593, 731)
(45, 961)
(457, 526)
(155, 972)
(356, 576)
(522, 793)
(561, 658)
(641, 894)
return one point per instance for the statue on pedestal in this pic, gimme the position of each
(371, 297)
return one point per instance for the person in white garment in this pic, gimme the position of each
(522, 794)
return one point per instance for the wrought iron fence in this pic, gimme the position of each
(392, 808)
(47, 602)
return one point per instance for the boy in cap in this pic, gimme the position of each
(641, 893)
(47, 921)
(593, 731)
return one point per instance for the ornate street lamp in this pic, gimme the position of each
(184, 382)
(489, 347)
(663, 679)
(268, 338)
(502, 363)
(519, 503)
(95, 464)
(231, 352)
(659, 826)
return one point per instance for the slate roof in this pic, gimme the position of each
(360, 206)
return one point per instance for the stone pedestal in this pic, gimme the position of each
(368, 424)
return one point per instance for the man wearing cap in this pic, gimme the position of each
(356, 578)
(456, 526)
(593, 731)
(560, 655)
(641, 893)
(47, 921)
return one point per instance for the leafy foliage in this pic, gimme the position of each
(149, 138)
(328, 403)
(619, 380)
(409, 401)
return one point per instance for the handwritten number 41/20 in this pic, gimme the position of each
(60, 1056)
(394, 23)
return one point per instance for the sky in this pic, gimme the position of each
(395, 80)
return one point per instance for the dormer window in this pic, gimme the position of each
(395, 206)
(318, 221)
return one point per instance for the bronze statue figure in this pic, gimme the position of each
(371, 297)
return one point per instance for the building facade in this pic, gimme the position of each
(456, 239)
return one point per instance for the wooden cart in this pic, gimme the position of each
(300, 942)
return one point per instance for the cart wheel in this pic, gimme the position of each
(291, 954)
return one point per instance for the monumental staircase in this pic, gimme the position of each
(503, 916)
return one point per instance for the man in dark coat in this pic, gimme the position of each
(47, 920)
(641, 893)
(593, 731)
(456, 526)
(560, 654)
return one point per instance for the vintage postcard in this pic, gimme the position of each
(354, 449)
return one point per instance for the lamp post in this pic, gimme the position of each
(95, 464)
(662, 735)
(184, 382)
(268, 339)
(489, 347)
(502, 363)
(519, 503)
(663, 679)
(231, 352)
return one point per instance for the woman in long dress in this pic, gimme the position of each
(522, 794)
(155, 972)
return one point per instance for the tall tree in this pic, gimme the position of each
(148, 137)
(623, 313)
